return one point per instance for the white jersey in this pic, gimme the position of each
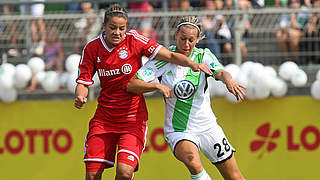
(190, 109)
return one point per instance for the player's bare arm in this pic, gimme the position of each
(81, 95)
(233, 87)
(180, 59)
(138, 86)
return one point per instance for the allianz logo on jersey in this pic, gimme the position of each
(125, 69)
(184, 89)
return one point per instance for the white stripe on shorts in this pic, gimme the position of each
(99, 160)
(130, 152)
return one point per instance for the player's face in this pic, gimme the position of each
(115, 30)
(186, 38)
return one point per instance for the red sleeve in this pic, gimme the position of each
(149, 47)
(86, 66)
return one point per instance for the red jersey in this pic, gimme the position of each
(115, 67)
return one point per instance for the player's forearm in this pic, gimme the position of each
(81, 90)
(224, 76)
(182, 60)
(166, 55)
(138, 86)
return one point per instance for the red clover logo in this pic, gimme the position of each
(266, 143)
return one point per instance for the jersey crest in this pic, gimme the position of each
(148, 72)
(123, 52)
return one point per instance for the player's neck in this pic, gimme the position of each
(110, 45)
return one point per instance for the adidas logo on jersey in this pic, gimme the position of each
(131, 158)
(170, 73)
(194, 73)
(98, 60)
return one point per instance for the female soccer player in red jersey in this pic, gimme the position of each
(120, 119)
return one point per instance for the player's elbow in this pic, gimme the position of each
(131, 87)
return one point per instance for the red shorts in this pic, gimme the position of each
(100, 150)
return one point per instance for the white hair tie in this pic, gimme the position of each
(188, 23)
(117, 11)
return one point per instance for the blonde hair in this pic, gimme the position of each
(115, 10)
(191, 22)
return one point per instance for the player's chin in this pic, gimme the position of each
(115, 43)
(186, 52)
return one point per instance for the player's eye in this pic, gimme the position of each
(112, 27)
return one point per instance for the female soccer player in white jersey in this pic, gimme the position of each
(119, 122)
(190, 124)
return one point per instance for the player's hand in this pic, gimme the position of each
(165, 91)
(79, 101)
(236, 89)
(201, 67)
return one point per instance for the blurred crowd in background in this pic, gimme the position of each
(295, 34)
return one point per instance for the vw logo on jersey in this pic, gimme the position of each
(126, 68)
(184, 89)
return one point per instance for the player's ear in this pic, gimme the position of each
(198, 39)
(176, 34)
(127, 26)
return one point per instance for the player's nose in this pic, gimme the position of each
(116, 31)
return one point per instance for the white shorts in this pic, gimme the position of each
(213, 144)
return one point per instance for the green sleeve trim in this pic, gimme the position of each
(139, 77)
(215, 73)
